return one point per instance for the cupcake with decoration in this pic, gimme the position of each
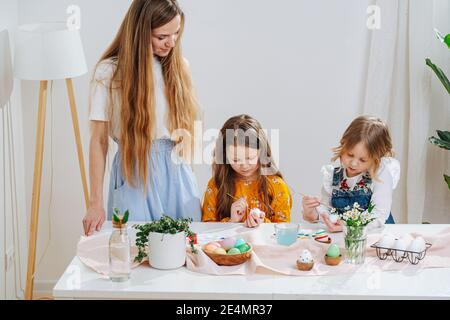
(305, 262)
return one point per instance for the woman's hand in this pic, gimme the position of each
(309, 205)
(238, 210)
(254, 219)
(93, 220)
(98, 148)
(332, 227)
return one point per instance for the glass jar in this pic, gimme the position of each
(355, 238)
(119, 254)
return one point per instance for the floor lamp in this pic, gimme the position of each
(44, 52)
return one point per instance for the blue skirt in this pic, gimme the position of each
(171, 188)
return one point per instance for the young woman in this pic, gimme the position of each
(141, 93)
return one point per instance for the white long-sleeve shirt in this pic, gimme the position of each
(382, 188)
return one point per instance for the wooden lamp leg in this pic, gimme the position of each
(76, 129)
(34, 218)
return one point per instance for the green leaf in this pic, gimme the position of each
(125, 217)
(440, 143)
(447, 179)
(444, 135)
(440, 74)
(447, 40)
(116, 218)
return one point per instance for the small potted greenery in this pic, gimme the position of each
(164, 242)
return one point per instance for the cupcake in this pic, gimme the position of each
(333, 256)
(305, 262)
(322, 236)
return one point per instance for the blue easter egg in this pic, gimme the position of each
(239, 242)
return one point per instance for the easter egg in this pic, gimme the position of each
(417, 245)
(306, 257)
(387, 241)
(255, 212)
(220, 251)
(244, 248)
(217, 244)
(407, 238)
(234, 251)
(401, 246)
(239, 242)
(333, 218)
(228, 243)
(333, 251)
(211, 247)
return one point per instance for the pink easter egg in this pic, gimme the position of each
(217, 244)
(228, 243)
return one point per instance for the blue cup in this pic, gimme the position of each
(286, 233)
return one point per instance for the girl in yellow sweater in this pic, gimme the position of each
(246, 185)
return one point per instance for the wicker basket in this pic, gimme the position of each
(229, 259)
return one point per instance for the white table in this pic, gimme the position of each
(80, 282)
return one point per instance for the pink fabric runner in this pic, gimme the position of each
(270, 258)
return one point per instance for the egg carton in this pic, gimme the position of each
(400, 255)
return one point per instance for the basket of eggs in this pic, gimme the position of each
(228, 252)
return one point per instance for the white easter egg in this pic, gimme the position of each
(387, 241)
(400, 245)
(306, 257)
(255, 211)
(334, 218)
(407, 238)
(417, 245)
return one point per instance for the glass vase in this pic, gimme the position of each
(119, 254)
(355, 238)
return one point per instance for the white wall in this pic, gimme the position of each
(13, 231)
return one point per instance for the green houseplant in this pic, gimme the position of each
(165, 228)
(443, 137)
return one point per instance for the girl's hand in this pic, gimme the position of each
(254, 219)
(238, 210)
(93, 220)
(332, 227)
(309, 204)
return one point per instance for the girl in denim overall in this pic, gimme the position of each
(365, 173)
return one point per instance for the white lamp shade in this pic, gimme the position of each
(48, 51)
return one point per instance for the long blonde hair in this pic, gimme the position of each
(132, 52)
(374, 134)
(224, 175)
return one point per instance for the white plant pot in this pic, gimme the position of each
(167, 251)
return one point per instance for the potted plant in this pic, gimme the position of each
(164, 242)
(443, 138)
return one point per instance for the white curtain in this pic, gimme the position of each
(403, 90)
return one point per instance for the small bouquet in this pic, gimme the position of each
(356, 220)
(356, 216)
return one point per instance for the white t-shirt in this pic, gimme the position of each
(101, 104)
(388, 175)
